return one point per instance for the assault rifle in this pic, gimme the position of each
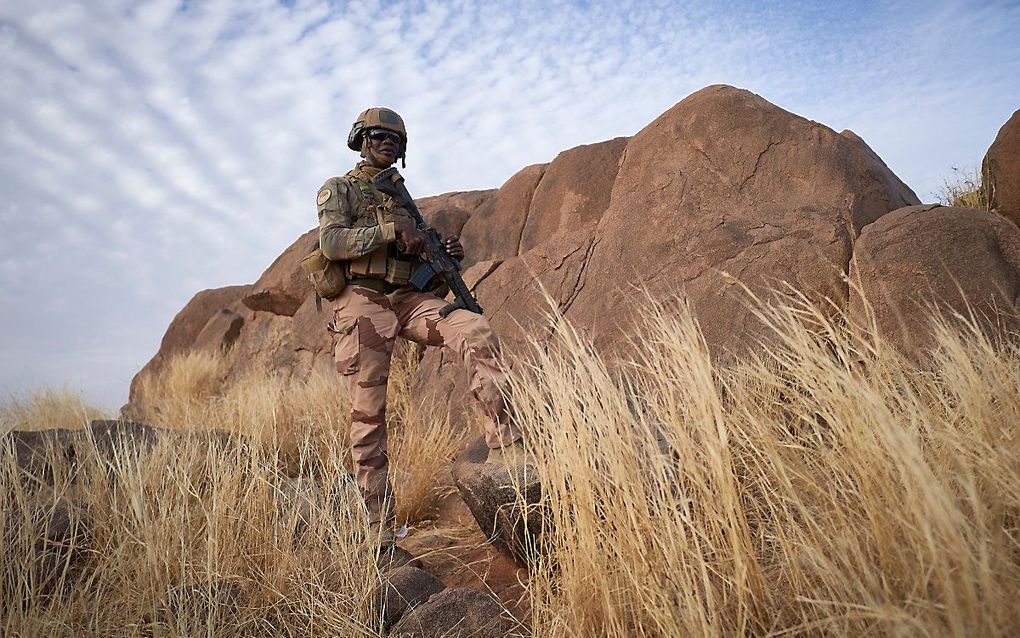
(437, 261)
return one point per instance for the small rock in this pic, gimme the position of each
(404, 588)
(456, 613)
(273, 300)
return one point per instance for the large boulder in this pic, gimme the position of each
(1000, 171)
(723, 191)
(955, 259)
(726, 190)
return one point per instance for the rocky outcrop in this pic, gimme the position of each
(957, 259)
(724, 192)
(1000, 171)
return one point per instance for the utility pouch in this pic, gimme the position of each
(327, 277)
(371, 265)
(398, 271)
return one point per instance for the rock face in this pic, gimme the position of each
(1000, 171)
(953, 256)
(723, 182)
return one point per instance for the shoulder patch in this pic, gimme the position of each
(324, 196)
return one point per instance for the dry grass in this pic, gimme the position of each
(963, 190)
(828, 487)
(47, 408)
(192, 394)
(194, 511)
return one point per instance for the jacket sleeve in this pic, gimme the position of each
(339, 240)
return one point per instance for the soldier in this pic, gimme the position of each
(377, 243)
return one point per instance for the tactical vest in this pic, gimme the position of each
(374, 209)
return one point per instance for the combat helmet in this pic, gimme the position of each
(377, 117)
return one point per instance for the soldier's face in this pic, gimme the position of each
(383, 148)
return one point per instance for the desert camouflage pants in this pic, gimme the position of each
(365, 326)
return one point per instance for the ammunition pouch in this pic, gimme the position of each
(372, 265)
(327, 277)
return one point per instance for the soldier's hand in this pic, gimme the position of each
(454, 248)
(414, 240)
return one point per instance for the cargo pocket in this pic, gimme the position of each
(346, 346)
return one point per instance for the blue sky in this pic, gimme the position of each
(153, 149)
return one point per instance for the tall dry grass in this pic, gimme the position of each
(194, 393)
(199, 518)
(211, 513)
(47, 408)
(827, 487)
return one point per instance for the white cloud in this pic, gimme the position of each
(150, 149)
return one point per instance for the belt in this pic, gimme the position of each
(378, 285)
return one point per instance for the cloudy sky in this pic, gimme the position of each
(153, 149)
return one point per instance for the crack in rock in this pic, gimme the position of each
(492, 268)
(757, 162)
(581, 278)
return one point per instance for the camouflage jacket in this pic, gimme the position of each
(355, 218)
